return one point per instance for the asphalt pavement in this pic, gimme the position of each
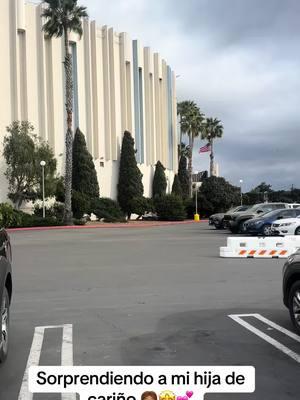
(148, 296)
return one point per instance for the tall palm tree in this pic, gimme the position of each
(212, 129)
(61, 18)
(191, 121)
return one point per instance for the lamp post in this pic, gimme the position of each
(42, 164)
(241, 182)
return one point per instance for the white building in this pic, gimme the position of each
(118, 85)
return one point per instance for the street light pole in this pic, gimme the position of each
(42, 164)
(241, 182)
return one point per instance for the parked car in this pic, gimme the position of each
(5, 291)
(291, 287)
(236, 221)
(218, 219)
(262, 225)
(294, 205)
(289, 226)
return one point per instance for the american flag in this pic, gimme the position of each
(205, 148)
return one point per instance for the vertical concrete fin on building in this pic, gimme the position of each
(21, 21)
(106, 91)
(112, 93)
(175, 127)
(124, 123)
(41, 68)
(87, 74)
(94, 89)
(13, 59)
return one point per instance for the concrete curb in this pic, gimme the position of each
(105, 226)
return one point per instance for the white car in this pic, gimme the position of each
(288, 226)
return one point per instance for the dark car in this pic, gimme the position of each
(236, 221)
(263, 225)
(218, 219)
(291, 287)
(5, 291)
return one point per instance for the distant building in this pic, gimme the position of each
(118, 85)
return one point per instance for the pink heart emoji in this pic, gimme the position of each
(189, 393)
(185, 398)
(179, 398)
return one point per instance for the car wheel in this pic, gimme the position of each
(297, 231)
(294, 304)
(218, 225)
(242, 227)
(4, 325)
(267, 230)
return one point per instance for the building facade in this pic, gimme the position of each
(118, 85)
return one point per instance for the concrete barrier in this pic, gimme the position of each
(260, 247)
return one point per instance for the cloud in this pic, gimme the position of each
(240, 61)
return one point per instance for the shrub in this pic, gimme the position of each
(55, 210)
(81, 204)
(79, 221)
(170, 208)
(8, 216)
(84, 175)
(159, 184)
(140, 205)
(176, 187)
(183, 177)
(130, 183)
(107, 209)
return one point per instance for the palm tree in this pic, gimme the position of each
(61, 18)
(212, 129)
(191, 121)
(183, 150)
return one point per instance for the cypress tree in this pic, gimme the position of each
(159, 184)
(84, 175)
(176, 187)
(183, 177)
(130, 183)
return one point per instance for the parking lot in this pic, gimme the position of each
(147, 296)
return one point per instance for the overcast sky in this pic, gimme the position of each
(240, 61)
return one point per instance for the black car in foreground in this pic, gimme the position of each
(5, 291)
(291, 287)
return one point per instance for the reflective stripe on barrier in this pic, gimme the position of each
(260, 247)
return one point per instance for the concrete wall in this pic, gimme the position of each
(119, 86)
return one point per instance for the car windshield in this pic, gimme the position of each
(270, 213)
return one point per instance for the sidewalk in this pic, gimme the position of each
(94, 225)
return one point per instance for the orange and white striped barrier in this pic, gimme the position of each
(256, 247)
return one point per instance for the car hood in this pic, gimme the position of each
(286, 220)
(252, 220)
(217, 215)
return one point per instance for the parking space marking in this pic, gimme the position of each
(35, 354)
(279, 346)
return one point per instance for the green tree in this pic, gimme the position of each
(217, 195)
(191, 123)
(159, 184)
(176, 187)
(23, 151)
(62, 17)
(130, 183)
(212, 129)
(183, 177)
(84, 175)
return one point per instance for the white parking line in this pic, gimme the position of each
(35, 353)
(239, 319)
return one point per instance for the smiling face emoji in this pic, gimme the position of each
(167, 395)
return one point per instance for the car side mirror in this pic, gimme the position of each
(259, 211)
(280, 217)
